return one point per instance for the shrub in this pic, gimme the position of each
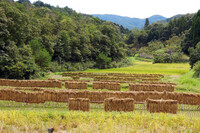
(161, 57)
(197, 69)
(194, 55)
(55, 67)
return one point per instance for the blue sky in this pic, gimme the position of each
(130, 8)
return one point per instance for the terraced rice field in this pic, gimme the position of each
(38, 118)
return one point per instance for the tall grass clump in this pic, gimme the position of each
(188, 82)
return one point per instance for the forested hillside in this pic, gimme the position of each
(175, 41)
(39, 37)
(164, 42)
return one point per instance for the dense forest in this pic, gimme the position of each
(37, 37)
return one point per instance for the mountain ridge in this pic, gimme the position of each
(129, 22)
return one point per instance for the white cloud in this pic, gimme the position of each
(131, 8)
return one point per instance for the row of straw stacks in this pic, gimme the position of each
(30, 83)
(184, 98)
(114, 78)
(69, 80)
(81, 74)
(99, 96)
(92, 75)
(76, 85)
(150, 79)
(114, 81)
(79, 104)
(106, 85)
(151, 87)
(21, 96)
(116, 104)
(165, 106)
(28, 89)
(136, 75)
(159, 83)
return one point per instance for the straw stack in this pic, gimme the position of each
(116, 104)
(35, 97)
(99, 85)
(159, 83)
(80, 104)
(151, 87)
(165, 106)
(76, 85)
(112, 86)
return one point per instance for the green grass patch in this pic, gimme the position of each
(136, 59)
(188, 83)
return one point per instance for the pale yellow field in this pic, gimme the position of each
(149, 68)
(102, 122)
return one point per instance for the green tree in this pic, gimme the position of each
(23, 1)
(103, 61)
(43, 58)
(62, 49)
(195, 30)
(146, 23)
(41, 55)
(194, 54)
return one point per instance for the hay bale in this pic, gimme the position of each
(98, 85)
(62, 96)
(116, 104)
(19, 96)
(6, 94)
(50, 95)
(112, 86)
(164, 106)
(79, 104)
(189, 98)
